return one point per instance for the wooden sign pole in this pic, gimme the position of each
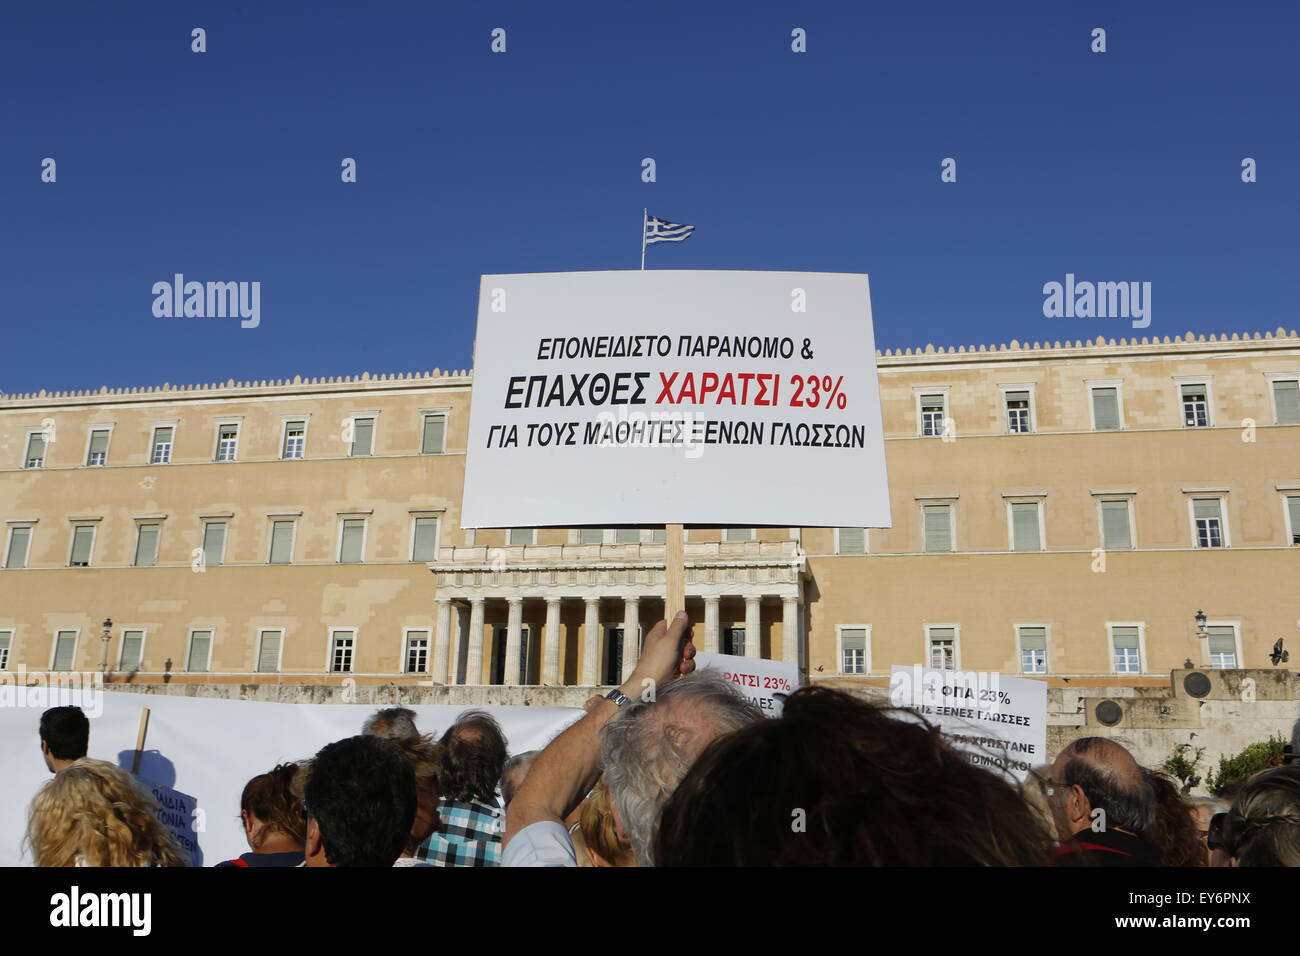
(139, 740)
(675, 566)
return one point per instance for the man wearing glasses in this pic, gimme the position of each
(1102, 805)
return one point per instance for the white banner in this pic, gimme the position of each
(648, 398)
(764, 682)
(200, 752)
(1000, 721)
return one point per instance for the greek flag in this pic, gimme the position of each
(660, 230)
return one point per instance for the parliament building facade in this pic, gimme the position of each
(1061, 510)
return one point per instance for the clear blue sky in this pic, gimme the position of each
(225, 166)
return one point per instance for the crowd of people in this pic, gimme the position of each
(677, 768)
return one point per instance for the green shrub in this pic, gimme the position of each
(1182, 767)
(1236, 770)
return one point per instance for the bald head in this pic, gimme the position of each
(1108, 779)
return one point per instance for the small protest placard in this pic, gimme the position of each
(766, 683)
(1000, 721)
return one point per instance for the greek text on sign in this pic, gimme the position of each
(766, 683)
(657, 397)
(1001, 722)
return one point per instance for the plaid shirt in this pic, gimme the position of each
(469, 835)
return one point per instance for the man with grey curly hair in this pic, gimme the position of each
(650, 731)
(649, 747)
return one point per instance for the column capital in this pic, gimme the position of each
(440, 599)
(512, 601)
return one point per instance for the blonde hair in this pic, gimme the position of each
(599, 831)
(94, 814)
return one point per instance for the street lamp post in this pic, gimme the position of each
(106, 635)
(1204, 636)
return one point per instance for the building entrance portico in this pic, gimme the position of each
(576, 614)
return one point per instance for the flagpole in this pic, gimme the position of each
(645, 216)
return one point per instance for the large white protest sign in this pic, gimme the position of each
(1000, 721)
(200, 752)
(766, 683)
(660, 397)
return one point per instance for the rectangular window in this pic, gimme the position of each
(853, 645)
(938, 527)
(1105, 408)
(1033, 650)
(1293, 512)
(738, 534)
(933, 412)
(658, 536)
(268, 652)
(35, 457)
(19, 542)
(522, 537)
(83, 540)
(1125, 643)
(627, 535)
(132, 651)
(1223, 646)
(98, 453)
(162, 446)
(1018, 421)
(295, 439)
(146, 545)
(417, 652)
(1286, 402)
(1025, 526)
(591, 535)
(1196, 406)
(852, 541)
(6, 640)
(227, 440)
(342, 644)
(363, 437)
(1116, 533)
(281, 542)
(1207, 518)
(435, 428)
(351, 540)
(200, 655)
(214, 543)
(425, 544)
(942, 643)
(65, 650)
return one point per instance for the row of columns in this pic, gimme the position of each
(444, 650)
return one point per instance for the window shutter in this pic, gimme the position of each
(200, 645)
(1024, 526)
(1124, 638)
(1014, 397)
(1114, 524)
(1196, 392)
(426, 539)
(82, 537)
(19, 537)
(99, 442)
(146, 546)
(738, 534)
(35, 448)
(521, 536)
(938, 528)
(214, 541)
(434, 428)
(853, 541)
(932, 402)
(1223, 640)
(350, 551)
(132, 644)
(854, 638)
(162, 435)
(1286, 395)
(1033, 639)
(1206, 508)
(1293, 505)
(268, 655)
(363, 433)
(1105, 408)
(660, 536)
(65, 644)
(281, 542)
(591, 535)
(627, 536)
